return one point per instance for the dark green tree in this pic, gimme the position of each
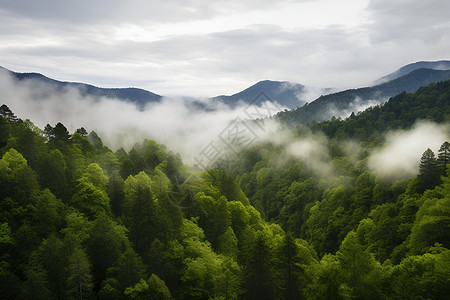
(443, 157)
(259, 280)
(6, 113)
(79, 275)
(428, 170)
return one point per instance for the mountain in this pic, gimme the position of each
(286, 94)
(342, 104)
(137, 96)
(434, 65)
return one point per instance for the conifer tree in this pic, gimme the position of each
(443, 157)
(428, 169)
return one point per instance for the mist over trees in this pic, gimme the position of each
(80, 221)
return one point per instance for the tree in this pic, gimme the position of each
(153, 288)
(82, 132)
(36, 285)
(107, 241)
(228, 244)
(258, 275)
(139, 211)
(443, 157)
(421, 277)
(358, 266)
(428, 170)
(54, 258)
(80, 278)
(115, 192)
(292, 266)
(328, 282)
(59, 137)
(127, 270)
(8, 114)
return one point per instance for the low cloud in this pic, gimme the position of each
(314, 153)
(355, 106)
(120, 124)
(400, 156)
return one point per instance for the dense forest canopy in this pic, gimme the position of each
(78, 220)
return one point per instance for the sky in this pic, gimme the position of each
(204, 48)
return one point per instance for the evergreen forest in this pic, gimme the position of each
(81, 221)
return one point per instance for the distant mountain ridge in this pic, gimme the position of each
(285, 93)
(289, 95)
(434, 65)
(139, 97)
(354, 100)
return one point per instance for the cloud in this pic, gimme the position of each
(121, 124)
(400, 156)
(400, 21)
(355, 106)
(313, 151)
(207, 48)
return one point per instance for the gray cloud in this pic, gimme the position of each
(409, 20)
(86, 40)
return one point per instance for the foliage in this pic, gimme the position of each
(78, 220)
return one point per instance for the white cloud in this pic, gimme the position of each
(121, 124)
(401, 154)
(207, 48)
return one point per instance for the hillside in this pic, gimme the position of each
(431, 103)
(342, 104)
(304, 216)
(434, 65)
(286, 94)
(137, 96)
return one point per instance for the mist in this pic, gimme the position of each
(121, 124)
(400, 156)
(355, 106)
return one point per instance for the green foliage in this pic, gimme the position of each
(80, 221)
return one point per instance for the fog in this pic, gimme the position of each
(120, 124)
(199, 135)
(353, 107)
(400, 156)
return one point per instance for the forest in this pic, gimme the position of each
(81, 221)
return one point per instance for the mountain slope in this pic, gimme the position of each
(400, 112)
(341, 104)
(434, 65)
(137, 96)
(286, 94)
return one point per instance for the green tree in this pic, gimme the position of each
(228, 244)
(259, 280)
(428, 170)
(36, 285)
(293, 264)
(139, 211)
(153, 288)
(328, 281)
(115, 190)
(79, 275)
(107, 241)
(127, 270)
(358, 267)
(422, 277)
(443, 157)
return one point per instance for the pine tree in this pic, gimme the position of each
(259, 279)
(443, 157)
(80, 278)
(428, 169)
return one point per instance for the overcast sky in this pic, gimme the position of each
(207, 48)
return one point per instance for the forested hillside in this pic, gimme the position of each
(345, 102)
(81, 221)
